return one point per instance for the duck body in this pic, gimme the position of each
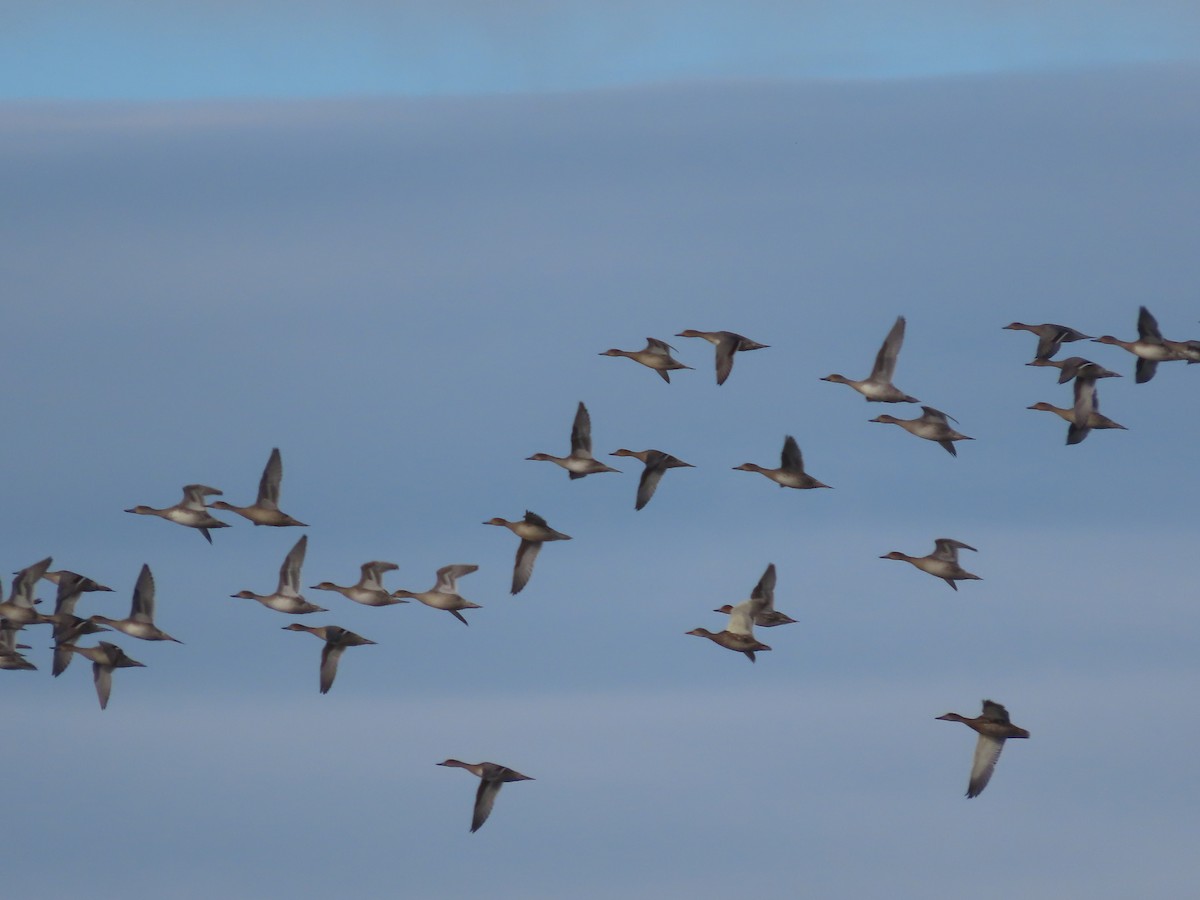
(105, 659)
(934, 425)
(1050, 336)
(1149, 348)
(580, 462)
(739, 631)
(18, 609)
(726, 343)
(336, 639)
(491, 777)
(369, 591)
(994, 728)
(140, 623)
(878, 385)
(941, 563)
(655, 464)
(533, 532)
(444, 594)
(790, 473)
(190, 511)
(265, 510)
(1095, 420)
(655, 355)
(765, 615)
(287, 597)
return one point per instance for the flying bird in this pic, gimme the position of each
(727, 343)
(491, 778)
(533, 532)
(336, 639)
(655, 464)
(878, 385)
(655, 355)
(791, 468)
(934, 425)
(190, 511)
(994, 729)
(580, 462)
(941, 563)
(265, 510)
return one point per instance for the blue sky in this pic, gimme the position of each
(408, 294)
(142, 50)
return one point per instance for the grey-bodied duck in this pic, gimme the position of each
(655, 355)
(265, 510)
(287, 597)
(941, 563)
(190, 511)
(1149, 348)
(1095, 420)
(580, 462)
(18, 608)
(444, 594)
(140, 623)
(369, 591)
(878, 385)
(790, 473)
(934, 425)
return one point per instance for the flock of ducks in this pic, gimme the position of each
(194, 511)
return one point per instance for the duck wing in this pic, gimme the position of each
(447, 577)
(987, 752)
(268, 485)
(143, 597)
(523, 568)
(289, 572)
(889, 352)
(581, 433)
(791, 457)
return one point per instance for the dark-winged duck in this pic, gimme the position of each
(655, 464)
(1050, 337)
(727, 343)
(105, 657)
(580, 462)
(791, 468)
(336, 639)
(766, 616)
(491, 777)
(533, 532)
(994, 729)
(1149, 348)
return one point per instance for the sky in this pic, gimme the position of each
(404, 280)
